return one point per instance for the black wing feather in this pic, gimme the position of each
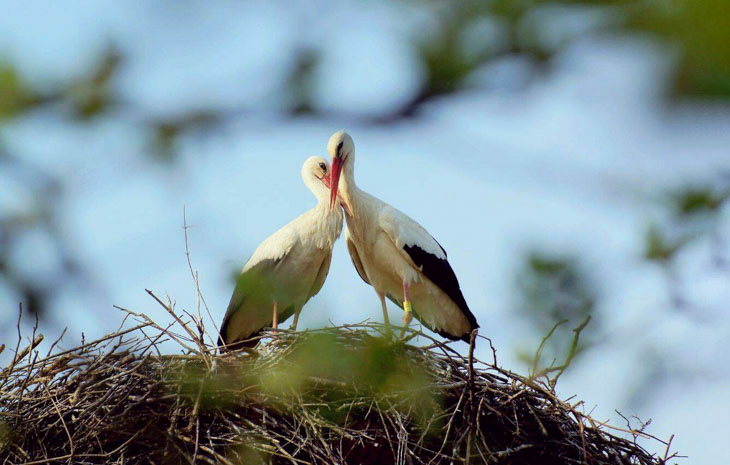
(356, 261)
(441, 274)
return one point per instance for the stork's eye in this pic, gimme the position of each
(323, 166)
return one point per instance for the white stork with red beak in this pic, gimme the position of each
(396, 255)
(287, 269)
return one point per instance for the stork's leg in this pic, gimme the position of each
(407, 311)
(275, 318)
(385, 312)
(296, 319)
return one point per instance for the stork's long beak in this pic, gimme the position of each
(335, 180)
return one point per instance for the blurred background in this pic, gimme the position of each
(573, 157)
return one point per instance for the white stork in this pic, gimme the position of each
(287, 268)
(396, 255)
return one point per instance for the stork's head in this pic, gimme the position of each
(342, 150)
(316, 174)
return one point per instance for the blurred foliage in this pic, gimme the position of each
(697, 30)
(92, 95)
(39, 217)
(692, 200)
(300, 83)
(332, 376)
(446, 60)
(164, 133)
(16, 96)
(555, 290)
(87, 96)
(691, 214)
(700, 32)
(659, 248)
(378, 368)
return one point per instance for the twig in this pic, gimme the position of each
(195, 277)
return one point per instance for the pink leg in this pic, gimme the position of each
(296, 319)
(275, 319)
(386, 321)
(381, 296)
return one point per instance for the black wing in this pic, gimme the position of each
(355, 257)
(441, 274)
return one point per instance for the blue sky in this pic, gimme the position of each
(569, 162)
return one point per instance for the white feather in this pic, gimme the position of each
(289, 267)
(377, 235)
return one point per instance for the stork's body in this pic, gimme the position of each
(287, 268)
(396, 255)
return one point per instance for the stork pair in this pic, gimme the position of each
(389, 250)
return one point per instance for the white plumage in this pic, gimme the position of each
(396, 255)
(287, 268)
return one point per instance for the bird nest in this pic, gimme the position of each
(341, 395)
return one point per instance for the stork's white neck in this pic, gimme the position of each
(361, 209)
(348, 189)
(326, 223)
(320, 191)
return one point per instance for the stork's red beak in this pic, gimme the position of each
(335, 180)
